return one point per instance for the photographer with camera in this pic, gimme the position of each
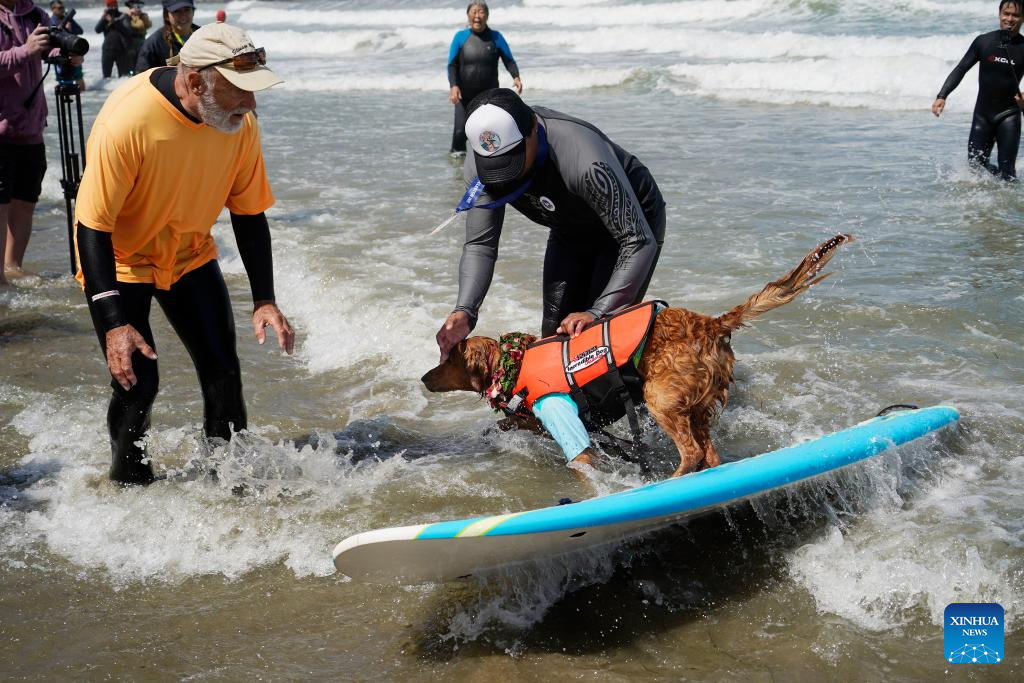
(139, 23)
(117, 40)
(59, 18)
(24, 43)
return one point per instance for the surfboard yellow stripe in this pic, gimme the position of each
(481, 527)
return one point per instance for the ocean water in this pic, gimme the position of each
(769, 125)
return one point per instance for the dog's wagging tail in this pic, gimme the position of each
(787, 288)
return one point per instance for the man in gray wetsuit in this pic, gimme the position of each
(604, 209)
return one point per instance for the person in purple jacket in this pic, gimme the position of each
(24, 43)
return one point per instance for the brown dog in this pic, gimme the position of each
(686, 363)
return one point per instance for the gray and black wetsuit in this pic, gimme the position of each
(473, 66)
(607, 221)
(997, 117)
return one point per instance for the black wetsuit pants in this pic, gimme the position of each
(1001, 129)
(459, 127)
(576, 273)
(199, 310)
(110, 58)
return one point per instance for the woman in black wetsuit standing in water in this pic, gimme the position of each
(997, 112)
(473, 67)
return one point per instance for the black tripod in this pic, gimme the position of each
(69, 102)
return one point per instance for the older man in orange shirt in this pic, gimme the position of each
(167, 152)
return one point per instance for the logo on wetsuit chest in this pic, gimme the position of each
(587, 358)
(542, 202)
(1001, 60)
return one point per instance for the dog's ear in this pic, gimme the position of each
(477, 355)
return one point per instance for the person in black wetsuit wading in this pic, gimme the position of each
(473, 67)
(997, 112)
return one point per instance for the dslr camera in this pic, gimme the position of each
(68, 43)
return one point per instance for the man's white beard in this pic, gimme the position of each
(215, 116)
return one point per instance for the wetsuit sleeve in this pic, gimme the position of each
(96, 258)
(252, 235)
(960, 70)
(561, 418)
(479, 252)
(453, 56)
(506, 55)
(592, 171)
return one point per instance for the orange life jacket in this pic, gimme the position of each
(598, 369)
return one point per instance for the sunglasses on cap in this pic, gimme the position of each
(247, 61)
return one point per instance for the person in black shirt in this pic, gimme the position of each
(117, 40)
(997, 111)
(167, 41)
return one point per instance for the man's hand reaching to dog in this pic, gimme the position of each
(455, 329)
(574, 323)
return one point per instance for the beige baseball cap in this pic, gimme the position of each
(217, 46)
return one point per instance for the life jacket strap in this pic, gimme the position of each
(618, 386)
(512, 407)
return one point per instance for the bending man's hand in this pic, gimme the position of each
(122, 342)
(938, 105)
(454, 95)
(454, 330)
(518, 85)
(574, 324)
(1019, 99)
(266, 314)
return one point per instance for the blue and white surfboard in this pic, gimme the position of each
(448, 550)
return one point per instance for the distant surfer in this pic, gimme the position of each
(605, 213)
(168, 151)
(473, 66)
(997, 111)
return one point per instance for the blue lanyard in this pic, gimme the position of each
(477, 186)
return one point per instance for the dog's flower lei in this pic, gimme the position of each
(503, 378)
